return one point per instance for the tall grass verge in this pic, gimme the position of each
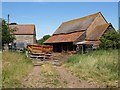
(14, 67)
(99, 66)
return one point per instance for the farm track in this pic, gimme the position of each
(65, 78)
(33, 79)
(71, 80)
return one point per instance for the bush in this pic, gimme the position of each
(110, 39)
(40, 41)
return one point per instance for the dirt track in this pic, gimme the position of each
(66, 79)
(53, 77)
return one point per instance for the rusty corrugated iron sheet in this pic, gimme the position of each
(88, 42)
(71, 37)
(23, 29)
(76, 24)
(97, 32)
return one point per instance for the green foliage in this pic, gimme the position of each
(40, 41)
(110, 39)
(6, 33)
(99, 66)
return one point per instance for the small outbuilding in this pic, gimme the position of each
(25, 33)
(85, 31)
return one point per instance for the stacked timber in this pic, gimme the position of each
(42, 52)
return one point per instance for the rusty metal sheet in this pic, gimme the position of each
(23, 29)
(76, 24)
(88, 42)
(71, 37)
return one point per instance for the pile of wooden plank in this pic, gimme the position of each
(42, 52)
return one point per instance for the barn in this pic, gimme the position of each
(85, 31)
(24, 33)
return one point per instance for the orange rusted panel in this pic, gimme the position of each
(35, 48)
(64, 37)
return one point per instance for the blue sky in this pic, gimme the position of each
(48, 16)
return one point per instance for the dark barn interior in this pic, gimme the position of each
(59, 47)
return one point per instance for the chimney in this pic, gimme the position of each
(8, 19)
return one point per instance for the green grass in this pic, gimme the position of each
(14, 67)
(98, 66)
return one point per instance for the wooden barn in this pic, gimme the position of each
(85, 31)
(24, 33)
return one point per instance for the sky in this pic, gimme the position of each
(60, 0)
(47, 16)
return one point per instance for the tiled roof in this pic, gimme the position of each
(23, 29)
(76, 24)
(97, 32)
(72, 30)
(71, 37)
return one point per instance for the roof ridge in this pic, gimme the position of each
(82, 17)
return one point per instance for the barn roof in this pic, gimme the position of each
(76, 24)
(97, 32)
(71, 37)
(23, 29)
(72, 30)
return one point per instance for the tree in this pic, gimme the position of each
(44, 38)
(7, 36)
(110, 39)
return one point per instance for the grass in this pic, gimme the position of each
(98, 66)
(14, 67)
(50, 75)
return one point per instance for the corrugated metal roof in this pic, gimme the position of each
(71, 37)
(23, 29)
(97, 32)
(76, 24)
(89, 42)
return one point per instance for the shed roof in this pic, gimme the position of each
(89, 42)
(23, 29)
(76, 24)
(97, 32)
(64, 37)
